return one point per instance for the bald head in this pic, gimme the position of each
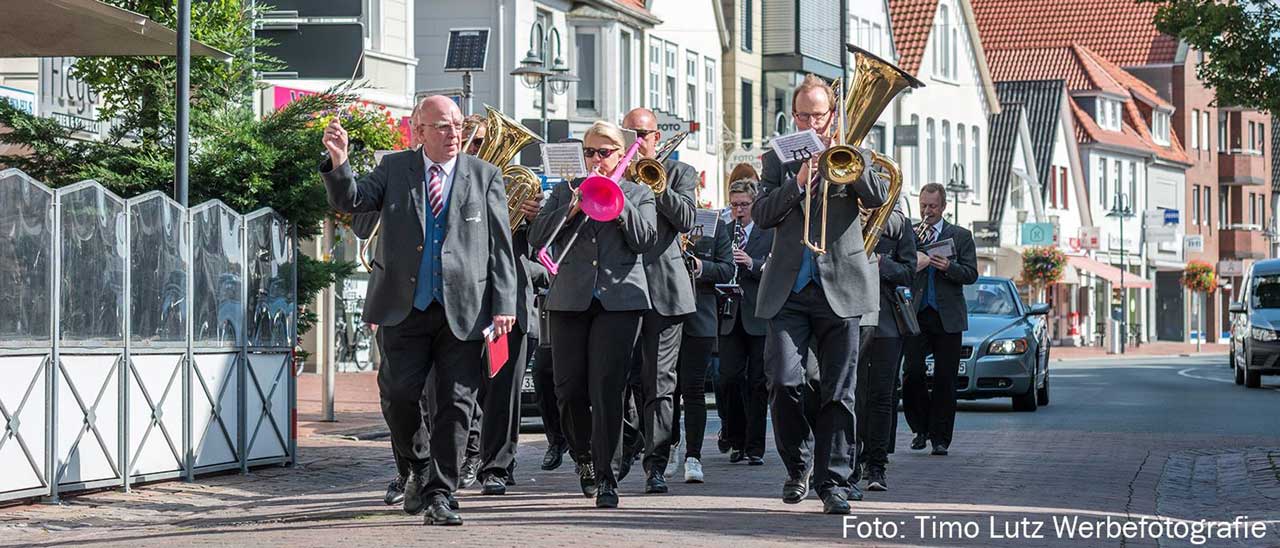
(645, 124)
(437, 124)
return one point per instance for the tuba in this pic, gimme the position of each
(876, 82)
(503, 139)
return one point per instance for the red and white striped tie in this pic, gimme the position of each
(435, 190)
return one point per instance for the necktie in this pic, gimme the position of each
(435, 190)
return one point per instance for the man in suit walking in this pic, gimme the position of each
(810, 297)
(744, 407)
(671, 291)
(444, 271)
(938, 291)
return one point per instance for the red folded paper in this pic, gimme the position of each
(497, 354)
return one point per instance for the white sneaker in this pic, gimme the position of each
(692, 470)
(673, 465)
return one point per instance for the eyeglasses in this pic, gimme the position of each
(477, 142)
(445, 127)
(643, 133)
(741, 204)
(807, 116)
(602, 152)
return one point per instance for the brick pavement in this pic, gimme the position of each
(1159, 348)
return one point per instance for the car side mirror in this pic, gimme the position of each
(1038, 309)
(1236, 308)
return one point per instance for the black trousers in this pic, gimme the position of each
(421, 345)
(659, 349)
(544, 387)
(500, 408)
(807, 317)
(402, 465)
(691, 393)
(742, 400)
(877, 375)
(590, 350)
(931, 412)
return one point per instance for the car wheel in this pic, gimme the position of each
(1239, 373)
(1252, 379)
(1042, 393)
(1026, 402)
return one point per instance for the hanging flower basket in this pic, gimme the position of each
(1042, 266)
(1199, 277)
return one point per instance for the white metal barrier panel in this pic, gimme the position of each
(217, 341)
(268, 378)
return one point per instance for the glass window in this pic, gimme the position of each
(709, 105)
(961, 149)
(691, 92)
(941, 50)
(915, 154)
(975, 147)
(1053, 187)
(1160, 127)
(1265, 292)
(624, 55)
(746, 128)
(877, 38)
(993, 298)
(1133, 184)
(932, 159)
(586, 55)
(745, 37)
(670, 91)
(1207, 219)
(953, 69)
(1102, 183)
(1222, 132)
(655, 73)
(1223, 206)
(1066, 203)
(946, 150)
(1195, 204)
(1195, 129)
(1204, 130)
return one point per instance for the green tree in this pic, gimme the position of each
(1241, 42)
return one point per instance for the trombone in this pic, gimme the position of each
(601, 199)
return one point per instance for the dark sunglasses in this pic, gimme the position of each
(642, 133)
(602, 152)
(478, 142)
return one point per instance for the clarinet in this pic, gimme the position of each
(739, 238)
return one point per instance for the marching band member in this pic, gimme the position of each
(445, 272)
(596, 302)
(672, 299)
(815, 298)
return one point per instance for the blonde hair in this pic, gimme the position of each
(608, 131)
(813, 82)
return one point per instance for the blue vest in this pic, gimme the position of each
(808, 272)
(430, 286)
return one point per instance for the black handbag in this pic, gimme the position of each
(904, 312)
(544, 321)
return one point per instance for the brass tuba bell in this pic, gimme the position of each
(503, 139)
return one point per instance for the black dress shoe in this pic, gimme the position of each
(470, 471)
(940, 449)
(440, 514)
(415, 500)
(493, 485)
(607, 497)
(835, 503)
(876, 481)
(554, 457)
(656, 482)
(587, 479)
(453, 502)
(918, 442)
(395, 492)
(722, 444)
(855, 494)
(736, 455)
(755, 461)
(796, 489)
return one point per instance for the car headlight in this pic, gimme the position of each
(1263, 334)
(1008, 346)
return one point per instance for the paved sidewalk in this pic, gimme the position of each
(1146, 349)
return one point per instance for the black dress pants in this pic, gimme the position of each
(659, 349)
(420, 345)
(744, 409)
(691, 394)
(591, 350)
(500, 406)
(544, 387)
(931, 412)
(877, 375)
(807, 317)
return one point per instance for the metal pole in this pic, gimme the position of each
(466, 90)
(325, 343)
(184, 98)
(542, 83)
(1124, 294)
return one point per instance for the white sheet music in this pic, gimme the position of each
(797, 147)
(704, 223)
(563, 160)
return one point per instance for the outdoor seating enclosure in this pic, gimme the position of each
(140, 340)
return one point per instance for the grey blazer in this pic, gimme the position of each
(478, 265)
(948, 286)
(759, 243)
(606, 260)
(669, 286)
(897, 265)
(844, 270)
(716, 255)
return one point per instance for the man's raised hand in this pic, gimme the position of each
(335, 141)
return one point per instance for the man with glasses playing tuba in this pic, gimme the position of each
(814, 295)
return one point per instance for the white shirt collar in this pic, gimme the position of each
(937, 227)
(447, 166)
(746, 230)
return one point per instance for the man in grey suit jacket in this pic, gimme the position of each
(809, 296)
(938, 290)
(443, 271)
(671, 290)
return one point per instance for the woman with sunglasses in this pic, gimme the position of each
(595, 304)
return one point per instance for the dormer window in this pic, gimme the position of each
(1108, 114)
(1160, 128)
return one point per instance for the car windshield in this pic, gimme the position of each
(1266, 292)
(990, 297)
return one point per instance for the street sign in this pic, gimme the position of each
(318, 8)
(1161, 234)
(752, 156)
(1037, 234)
(1170, 216)
(20, 99)
(1231, 267)
(906, 136)
(320, 51)
(467, 50)
(986, 234)
(1090, 237)
(1194, 243)
(670, 124)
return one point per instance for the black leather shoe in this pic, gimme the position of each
(940, 449)
(656, 482)
(440, 514)
(736, 455)
(855, 494)
(628, 459)
(755, 461)
(876, 481)
(395, 492)
(554, 457)
(607, 497)
(414, 500)
(470, 471)
(796, 489)
(493, 485)
(918, 442)
(835, 503)
(587, 479)
(723, 444)
(453, 502)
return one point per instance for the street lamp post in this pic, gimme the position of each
(534, 71)
(957, 186)
(1121, 210)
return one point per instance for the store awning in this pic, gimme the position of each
(1110, 273)
(86, 28)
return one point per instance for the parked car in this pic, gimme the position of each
(529, 398)
(1005, 351)
(1255, 325)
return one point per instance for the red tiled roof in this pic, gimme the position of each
(1088, 131)
(912, 21)
(638, 4)
(1071, 63)
(1122, 31)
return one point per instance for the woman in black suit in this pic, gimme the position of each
(595, 304)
